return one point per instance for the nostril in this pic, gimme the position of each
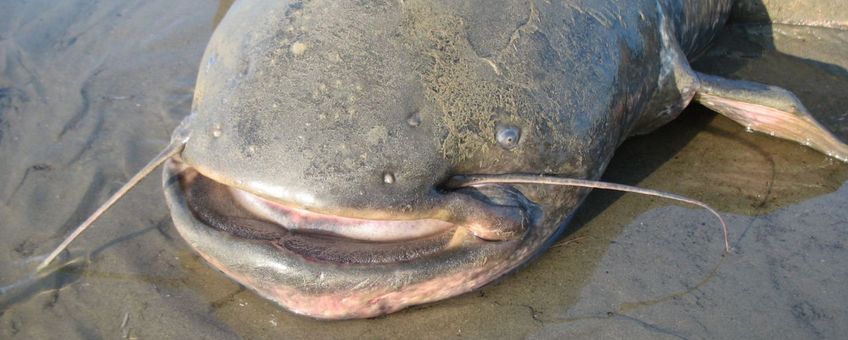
(389, 178)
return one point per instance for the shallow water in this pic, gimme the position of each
(90, 90)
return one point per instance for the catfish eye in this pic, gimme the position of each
(508, 136)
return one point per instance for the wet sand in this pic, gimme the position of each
(90, 90)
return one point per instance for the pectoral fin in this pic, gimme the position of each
(768, 109)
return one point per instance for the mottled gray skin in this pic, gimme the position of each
(313, 103)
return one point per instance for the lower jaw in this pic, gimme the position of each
(328, 290)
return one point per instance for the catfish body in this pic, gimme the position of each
(325, 134)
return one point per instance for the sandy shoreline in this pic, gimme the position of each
(90, 91)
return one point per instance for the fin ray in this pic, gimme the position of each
(768, 109)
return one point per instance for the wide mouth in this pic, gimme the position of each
(308, 263)
(456, 218)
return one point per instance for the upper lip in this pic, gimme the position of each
(491, 219)
(463, 207)
(353, 228)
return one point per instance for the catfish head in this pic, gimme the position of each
(325, 136)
